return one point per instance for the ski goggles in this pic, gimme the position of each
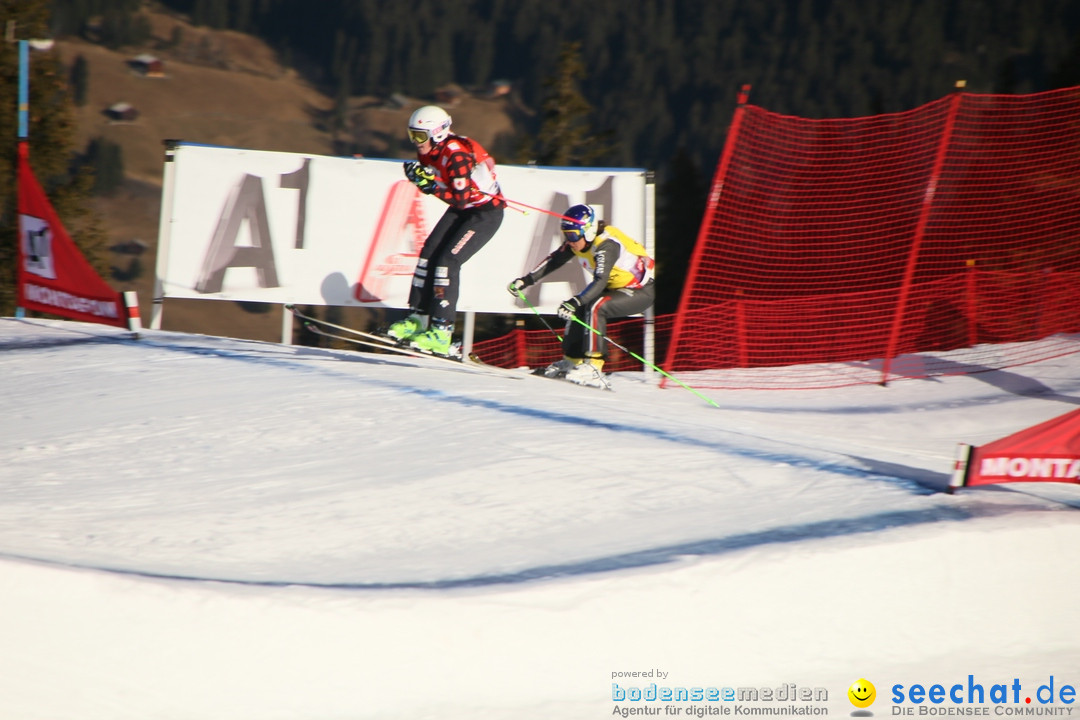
(573, 234)
(419, 137)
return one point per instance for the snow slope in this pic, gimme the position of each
(201, 527)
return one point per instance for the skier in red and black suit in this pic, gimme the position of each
(458, 171)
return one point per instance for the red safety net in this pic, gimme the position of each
(868, 239)
(538, 348)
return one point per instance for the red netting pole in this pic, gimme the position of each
(919, 234)
(710, 210)
(743, 342)
(972, 304)
(521, 349)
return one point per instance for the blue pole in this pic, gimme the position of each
(24, 111)
(24, 88)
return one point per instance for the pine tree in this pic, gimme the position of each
(105, 161)
(681, 202)
(565, 138)
(1067, 73)
(80, 75)
(51, 137)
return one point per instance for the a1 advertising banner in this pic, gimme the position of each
(274, 227)
(53, 276)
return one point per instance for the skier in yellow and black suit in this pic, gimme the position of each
(621, 285)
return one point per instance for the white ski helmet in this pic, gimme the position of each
(429, 123)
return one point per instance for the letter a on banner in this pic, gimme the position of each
(52, 275)
(387, 258)
(246, 202)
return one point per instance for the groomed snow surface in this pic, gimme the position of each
(194, 527)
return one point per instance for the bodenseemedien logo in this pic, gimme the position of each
(862, 694)
(698, 701)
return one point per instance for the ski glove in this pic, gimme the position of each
(569, 308)
(516, 286)
(423, 178)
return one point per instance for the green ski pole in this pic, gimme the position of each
(531, 307)
(642, 360)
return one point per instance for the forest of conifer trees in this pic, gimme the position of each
(663, 74)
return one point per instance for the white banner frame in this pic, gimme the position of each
(281, 228)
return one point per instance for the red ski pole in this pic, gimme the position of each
(538, 209)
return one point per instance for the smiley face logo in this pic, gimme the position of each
(862, 693)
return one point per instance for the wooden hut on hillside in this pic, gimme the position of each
(147, 65)
(121, 112)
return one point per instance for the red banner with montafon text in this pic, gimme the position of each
(53, 276)
(1047, 452)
